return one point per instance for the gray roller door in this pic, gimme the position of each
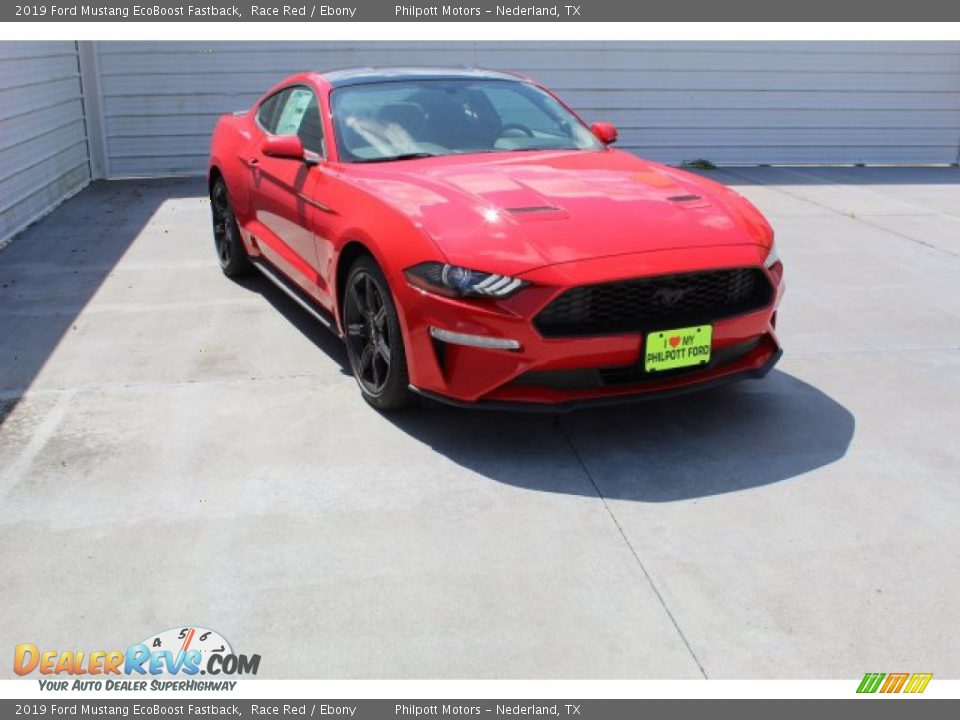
(43, 151)
(730, 103)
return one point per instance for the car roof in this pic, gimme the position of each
(365, 75)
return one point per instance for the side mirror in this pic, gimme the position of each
(606, 132)
(282, 146)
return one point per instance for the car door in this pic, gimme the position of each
(282, 188)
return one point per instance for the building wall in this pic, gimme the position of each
(730, 103)
(43, 147)
(117, 109)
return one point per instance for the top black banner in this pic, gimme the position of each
(481, 11)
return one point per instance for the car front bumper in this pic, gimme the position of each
(564, 373)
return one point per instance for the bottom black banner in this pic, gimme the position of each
(874, 708)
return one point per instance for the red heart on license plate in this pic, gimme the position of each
(674, 341)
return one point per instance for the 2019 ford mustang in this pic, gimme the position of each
(474, 241)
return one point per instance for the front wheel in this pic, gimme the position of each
(226, 233)
(374, 341)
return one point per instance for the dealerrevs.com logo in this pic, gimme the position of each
(168, 660)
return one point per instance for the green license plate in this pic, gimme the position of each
(683, 347)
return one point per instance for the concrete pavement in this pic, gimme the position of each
(179, 449)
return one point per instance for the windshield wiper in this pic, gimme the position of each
(535, 149)
(402, 156)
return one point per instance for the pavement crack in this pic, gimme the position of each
(24, 391)
(875, 351)
(630, 546)
(39, 437)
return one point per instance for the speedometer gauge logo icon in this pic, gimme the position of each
(183, 640)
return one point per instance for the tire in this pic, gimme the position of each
(226, 233)
(374, 340)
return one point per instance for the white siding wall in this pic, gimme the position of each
(43, 148)
(746, 103)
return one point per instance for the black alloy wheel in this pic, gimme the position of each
(374, 341)
(226, 233)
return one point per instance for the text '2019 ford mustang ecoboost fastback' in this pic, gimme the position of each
(473, 241)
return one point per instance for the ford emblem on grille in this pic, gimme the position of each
(669, 296)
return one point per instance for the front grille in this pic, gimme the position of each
(657, 302)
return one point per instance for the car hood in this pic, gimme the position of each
(513, 212)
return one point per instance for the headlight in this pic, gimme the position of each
(773, 257)
(456, 281)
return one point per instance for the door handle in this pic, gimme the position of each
(249, 161)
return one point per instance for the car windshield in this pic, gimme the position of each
(397, 120)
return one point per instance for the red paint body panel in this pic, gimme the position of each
(601, 216)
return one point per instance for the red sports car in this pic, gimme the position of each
(473, 241)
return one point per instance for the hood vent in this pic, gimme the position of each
(533, 209)
(684, 198)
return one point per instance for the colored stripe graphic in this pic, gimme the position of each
(918, 682)
(894, 682)
(870, 682)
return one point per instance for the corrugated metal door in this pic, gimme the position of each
(43, 146)
(730, 103)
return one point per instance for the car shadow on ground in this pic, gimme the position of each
(323, 338)
(731, 438)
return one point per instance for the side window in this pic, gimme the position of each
(299, 115)
(267, 114)
(311, 129)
